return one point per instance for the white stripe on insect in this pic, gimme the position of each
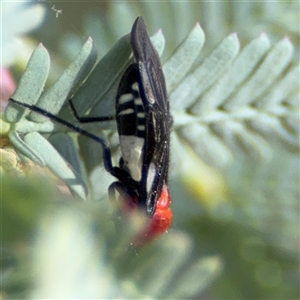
(135, 86)
(132, 150)
(125, 98)
(138, 101)
(141, 127)
(127, 111)
(141, 115)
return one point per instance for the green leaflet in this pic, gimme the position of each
(187, 51)
(54, 97)
(203, 76)
(31, 84)
(25, 148)
(241, 68)
(56, 163)
(109, 68)
(273, 65)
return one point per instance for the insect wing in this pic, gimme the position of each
(157, 136)
(147, 58)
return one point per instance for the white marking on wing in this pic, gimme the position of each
(125, 98)
(151, 176)
(144, 75)
(132, 152)
(127, 111)
(141, 127)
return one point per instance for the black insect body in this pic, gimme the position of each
(143, 121)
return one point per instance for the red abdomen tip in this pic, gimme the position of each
(160, 221)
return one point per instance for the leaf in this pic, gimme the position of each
(56, 164)
(174, 69)
(25, 149)
(241, 68)
(268, 198)
(274, 64)
(67, 148)
(249, 76)
(174, 280)
(18, 19)
(244, 110)
(204, 75)
(31, 84)
(76, 243)
(203, 271)
(107, 71)
(29, 91)
(53, 99)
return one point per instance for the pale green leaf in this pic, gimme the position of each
(240, 69)
(194, 84)
(53, 99)
(31, 84)
(107, 71)
(174, 69)
(25, 149)
(274, 64)
(56, 163)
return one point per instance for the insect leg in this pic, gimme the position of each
(106, 150)
(127, 195)
(119, 211)
(89, 119)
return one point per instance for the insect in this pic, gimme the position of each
(143, 121)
